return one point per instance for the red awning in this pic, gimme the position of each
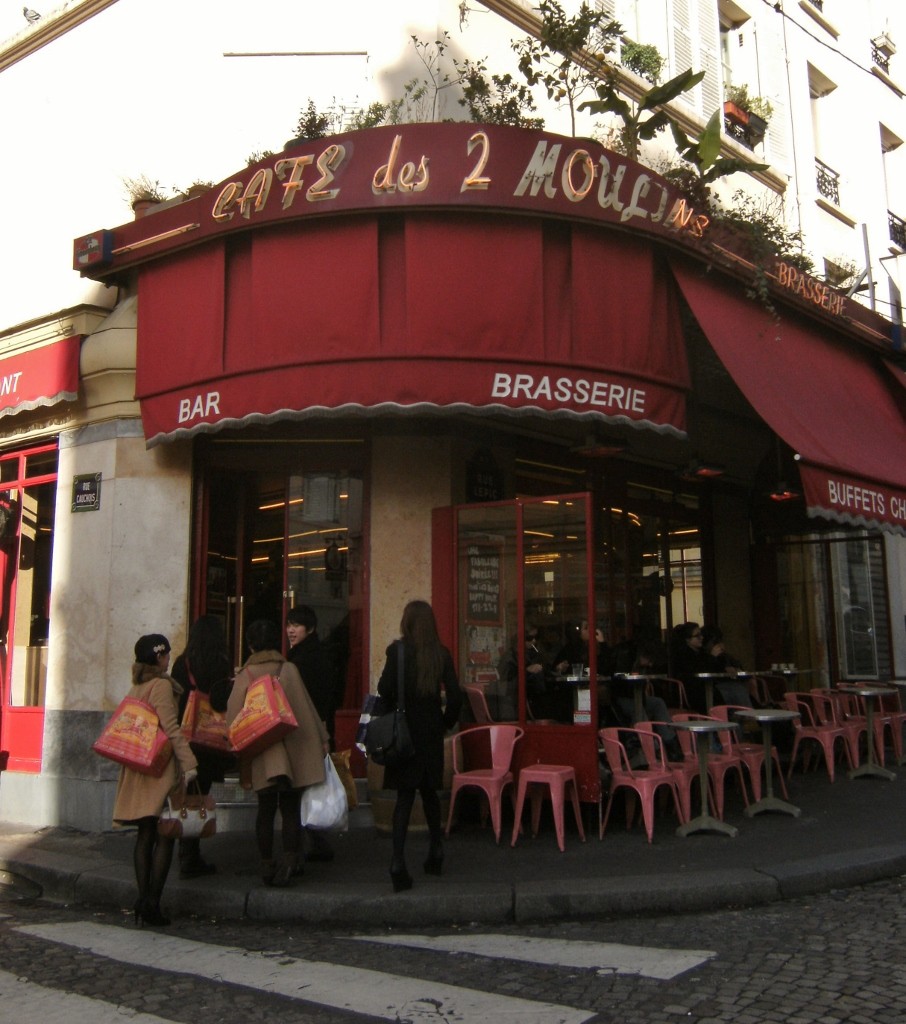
(429, 314)
(40, 376)
(832, 402)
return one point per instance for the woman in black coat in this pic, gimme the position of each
(205, 664)
(427, 670)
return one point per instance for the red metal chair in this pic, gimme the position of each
(644, 782)
(673, 693)
(752, 754)
(809, 727)
(685, 773)
(887, 717)
(490, 749)
(837, 708)
(479, 705)
(719, 762)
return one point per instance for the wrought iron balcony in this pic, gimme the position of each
(828, 181)
(897, 228)
(880, 57)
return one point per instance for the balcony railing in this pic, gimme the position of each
(880, 58)
(828, 181)
(897, 228)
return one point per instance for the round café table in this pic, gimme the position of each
(639, 681)
(705, 822)
(870, 694)
(766, 717)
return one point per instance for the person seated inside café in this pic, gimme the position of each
(575, 651)
(728, 691)
(687, 659)
(539, 692)
(616, 701)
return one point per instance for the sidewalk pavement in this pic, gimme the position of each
(849, 833)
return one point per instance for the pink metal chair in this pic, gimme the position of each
(752, 754)
(673, 693)
(482, 759)
(833, 707)
(685, 772)
(645, 782)
(719, 762)
(809, 727)
(479, 705)
(560, 781)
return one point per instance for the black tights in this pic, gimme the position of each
(151, 857)
(289, 803)
(405, 798)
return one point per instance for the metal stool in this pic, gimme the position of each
(557, 777)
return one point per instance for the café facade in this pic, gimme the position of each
(511, 372)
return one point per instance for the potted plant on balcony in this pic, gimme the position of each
(749, 113)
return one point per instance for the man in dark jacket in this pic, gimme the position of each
(307, 654)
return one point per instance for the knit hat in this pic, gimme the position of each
(148, 648)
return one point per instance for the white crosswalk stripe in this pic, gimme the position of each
(24, 1001)
(605, 957)
(381, 995)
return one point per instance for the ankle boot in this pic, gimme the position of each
(268, 870)
(284, 873)
(435, 863)
(400, 877)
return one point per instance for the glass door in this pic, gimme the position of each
(279, 532)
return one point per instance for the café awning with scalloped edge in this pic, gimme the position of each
(831, 401)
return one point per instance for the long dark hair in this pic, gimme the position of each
(419, 630)
(206, 651)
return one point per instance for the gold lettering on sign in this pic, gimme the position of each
(475, 179)
(540, 170)
(296, 166)
(328, 162)
(256, 192)
(409, 179)
(809, 288)
(583, 158)
(383, 176)
(229, 196)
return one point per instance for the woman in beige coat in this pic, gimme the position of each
(140, 798)
(280, 773)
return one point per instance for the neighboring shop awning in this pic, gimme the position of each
(40, 376)
(424, 314)
(832, 402)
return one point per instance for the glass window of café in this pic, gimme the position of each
(28, 481)
(555, 588)
(831, 614)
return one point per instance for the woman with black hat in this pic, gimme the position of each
(140, 798)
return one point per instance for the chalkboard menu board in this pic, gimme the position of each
(483, 562)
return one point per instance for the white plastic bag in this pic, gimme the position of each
(324, 806)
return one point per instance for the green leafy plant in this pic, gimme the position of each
(758, 105)
(258, 155)
(497, 99)
(312, 125)
(644, 59)
(143, 189)
(644, 119)
(567, 57)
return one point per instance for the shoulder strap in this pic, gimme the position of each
(192, 682)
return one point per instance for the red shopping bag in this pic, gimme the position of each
(133, 737)
(265, 718)
(204, 727)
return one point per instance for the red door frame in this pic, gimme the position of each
(21, 728)
(574, 745)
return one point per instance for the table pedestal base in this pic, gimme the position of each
(871, 769)
(772, 803)
(706, 823)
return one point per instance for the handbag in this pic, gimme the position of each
(341, 760)
(388, 740)
(324, 805)
(188, 815)
(204, 728)
(265, 717)
(133, 737)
